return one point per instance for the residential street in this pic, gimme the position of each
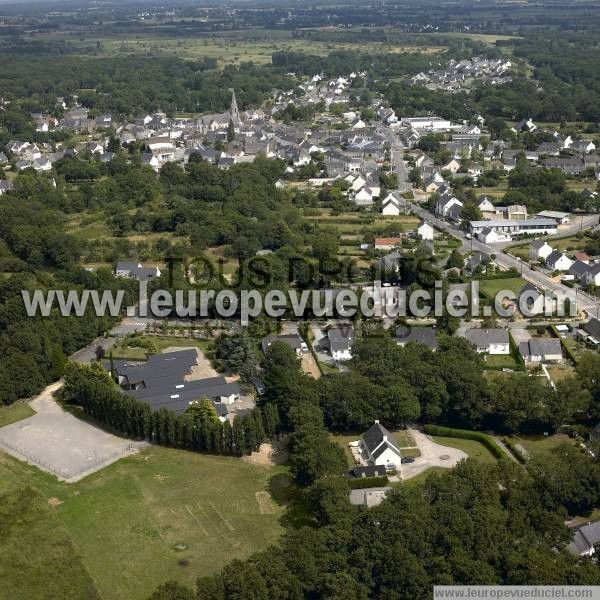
(584, 301)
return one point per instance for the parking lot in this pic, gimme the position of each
(59, 443)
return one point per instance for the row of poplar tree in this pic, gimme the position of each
(199, 428)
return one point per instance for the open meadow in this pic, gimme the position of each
(159, 515)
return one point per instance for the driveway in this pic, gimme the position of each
(432, 455)
(519, 332)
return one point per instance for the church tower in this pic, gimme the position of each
(233, 110)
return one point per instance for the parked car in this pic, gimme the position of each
(407, 459)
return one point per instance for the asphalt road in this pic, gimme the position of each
(584, 302)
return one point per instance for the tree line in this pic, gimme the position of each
(197, 429)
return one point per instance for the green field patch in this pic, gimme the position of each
(473, 448)
(15, 412)
(159, 515)
(490, 287)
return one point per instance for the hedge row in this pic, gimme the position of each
(515, 451)
(368, 482)
(465, 434)
(566, 348)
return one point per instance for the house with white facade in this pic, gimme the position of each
(489, 341)
(340, 342)
(539, 249)
(381, 447)
(558, 261)
(390, 206)
(445, 203)
(538, 350)
(425, 232)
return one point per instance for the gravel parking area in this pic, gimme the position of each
(432, 455)
(59, 443)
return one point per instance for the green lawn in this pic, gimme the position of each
(419, 479)
(490, 287)
(500, 361)
(536, 445)
(15, 412)
(473, 448)
(124, 351)
(162, 514)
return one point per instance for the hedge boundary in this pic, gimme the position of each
(465, 434)
(368, 482)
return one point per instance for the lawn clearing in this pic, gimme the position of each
(500, 361)
(542, 444)
(15, 412)
(126, 351)
(560, 372)
(490, 287)
(162, 514)
(473, 448)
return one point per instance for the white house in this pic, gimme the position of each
(445, 203)
(585, 538)
(340, 342)
(490, 341)
(381, 447)
(390, 206)
(591, 276)
(539, 249)
(364, 197)
(453, 166)
(538, 350)
(484, 205)
(558, 261)
(491, 236)
(135, 270)
(560, 217)
(425, 232)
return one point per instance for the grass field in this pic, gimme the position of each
(560, 372)
(490, 287)
(500, 361)
(227, 49)
(15, 412)
(163, 514)
(536, 445)
(473, 448)
(124, 351)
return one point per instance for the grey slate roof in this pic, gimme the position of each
(578, 268)
(378, 435)
(584, 538)
(537, 244)
(484, 337)
(593, 328)
(368, 471)
(421, 335)
(160, 382)
(540, 347)
(340, 338)
(553, 256)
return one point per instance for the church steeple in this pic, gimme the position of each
(233, 109)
